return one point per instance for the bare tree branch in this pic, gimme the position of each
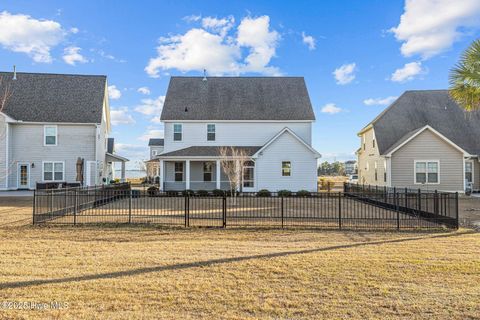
(232, 161)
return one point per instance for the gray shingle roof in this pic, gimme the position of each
(416, 109)
(42, 97)
(155, 142)
(237, 98)
(205, 151)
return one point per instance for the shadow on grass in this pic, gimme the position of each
(187, 265)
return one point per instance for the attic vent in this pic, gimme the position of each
(186, 109)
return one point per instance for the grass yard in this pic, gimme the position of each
(151, 273)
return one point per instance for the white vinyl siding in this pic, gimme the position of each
(428, 146)
(3, 153)
(232, 133)
(26, 145)
(303, 162)
(155, 150)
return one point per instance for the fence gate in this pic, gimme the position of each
(205, 211)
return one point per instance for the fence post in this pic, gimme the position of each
(130, 206)
(456, 209)
(340, 210)
(34, 205)
(395, 201)
(419, 200)
(406, 198)
(435, 202)
(224, 204)
(75, 203)
(281, 199)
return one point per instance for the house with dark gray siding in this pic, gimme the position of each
(49, 123)
(268, 118)
(423, 140)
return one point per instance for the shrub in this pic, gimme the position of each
(264, 193)
(218, 193)
(202, 193)
(284, 193)
(303, 193)
(188, 192)
(172, 193)
(152, 191)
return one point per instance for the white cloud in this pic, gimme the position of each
(152, 133)
(192, 18)
(156, 120)
(309, 41)
(71, 55)
(379, 101)
(407, 72)
(114, 93)
(345, 73)
(133, 152)
(221, 26)
(151, 107)
(217, 48)
(22, 33)
(144, 90)
(120, 116)
(74, 30)
(428, 27)
(331, 108)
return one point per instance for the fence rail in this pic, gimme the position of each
(351, 209)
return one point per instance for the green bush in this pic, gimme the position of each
(303, 193)
(284, 193)
(264, 193)
(152, 191)
(218, 193)
(202, 193)
(188, 192)
(172, 193)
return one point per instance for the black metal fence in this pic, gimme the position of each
(352, 209)
(431, 205)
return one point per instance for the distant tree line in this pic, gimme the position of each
(336, 168)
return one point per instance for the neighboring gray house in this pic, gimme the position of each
(48, 123)
(350, 167)
(423, 140)
(156, 147)
(270, 118)
(153, 165)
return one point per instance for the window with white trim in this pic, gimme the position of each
(373, 143)
(469, 171)
(249, 174)
(154, 152)
(53, 171)
(177, 132)
(50, 135)
(210, 132)
(286, 168)
(376, 171)
(363, 142)
(384, 171)
(427, 172)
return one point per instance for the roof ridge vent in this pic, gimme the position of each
(14, 73)
(204, 75)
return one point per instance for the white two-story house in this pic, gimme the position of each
(54, 129)
(269, 118)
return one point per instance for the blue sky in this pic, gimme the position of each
(356, 56)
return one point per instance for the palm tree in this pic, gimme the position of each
(465, 79)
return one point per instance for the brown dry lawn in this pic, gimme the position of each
(154, 273)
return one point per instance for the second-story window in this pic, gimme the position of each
(373, 143)
(363, 142)
(177, 132)
(50, 135)
(210, 132)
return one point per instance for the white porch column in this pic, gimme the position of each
(218, 175)
(123, 172)
(161, 174)
(239, 174)
(187, 174)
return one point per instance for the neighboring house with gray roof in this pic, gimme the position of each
(270, 118)
(49, 122)
(423, 140)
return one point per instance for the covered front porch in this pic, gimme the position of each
(200, 174)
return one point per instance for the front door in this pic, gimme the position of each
(23, 176)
